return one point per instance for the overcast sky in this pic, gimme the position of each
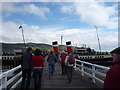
(45, 22)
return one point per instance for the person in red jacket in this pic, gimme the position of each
(63, 66)
(37, 65)
(113, 75)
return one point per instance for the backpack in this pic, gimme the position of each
(71, 59)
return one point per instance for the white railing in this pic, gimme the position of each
(82, 66)
(94, 56)
(7, 57)
(4, 82)
(91, 70)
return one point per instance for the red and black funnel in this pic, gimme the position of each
(69, 46)
(55, 47)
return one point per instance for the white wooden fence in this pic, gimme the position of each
(94, 56)
(7, 57)
(79, 66)
(4, 82)
(84, 68)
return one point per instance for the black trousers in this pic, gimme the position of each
(26, 78)
(69, 70)
(63, 66)
(37, 74)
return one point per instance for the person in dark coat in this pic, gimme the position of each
(113, 75)
(26, 68)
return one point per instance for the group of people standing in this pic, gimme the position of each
(66, 66)
(35, 63)
(31, 63)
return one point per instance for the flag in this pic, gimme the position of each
(20, 27)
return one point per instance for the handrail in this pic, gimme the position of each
(9, 71)
(99, 66)
(93, 56)
(4, 77)
(7, 57)
(81, 67)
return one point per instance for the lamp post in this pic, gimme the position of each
(23, 35)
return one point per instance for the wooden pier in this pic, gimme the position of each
(59, 81)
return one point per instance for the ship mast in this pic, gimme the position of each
(98, 38)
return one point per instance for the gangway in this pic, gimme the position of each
(82, 70)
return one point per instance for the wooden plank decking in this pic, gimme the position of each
(58, 81)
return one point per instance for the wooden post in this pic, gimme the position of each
(93, 74)
(82, 68)
(75, 64)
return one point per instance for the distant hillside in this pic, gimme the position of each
(8, 47)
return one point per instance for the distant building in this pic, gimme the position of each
(18, 52)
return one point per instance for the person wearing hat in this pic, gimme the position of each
(112, 79)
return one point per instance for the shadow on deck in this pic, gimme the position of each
(58, 81)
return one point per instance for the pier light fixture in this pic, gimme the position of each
(20, 27)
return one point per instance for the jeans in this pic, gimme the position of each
(69, 72)
(37, 74)
(63, 69)
(26, 74)
(51, 69)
